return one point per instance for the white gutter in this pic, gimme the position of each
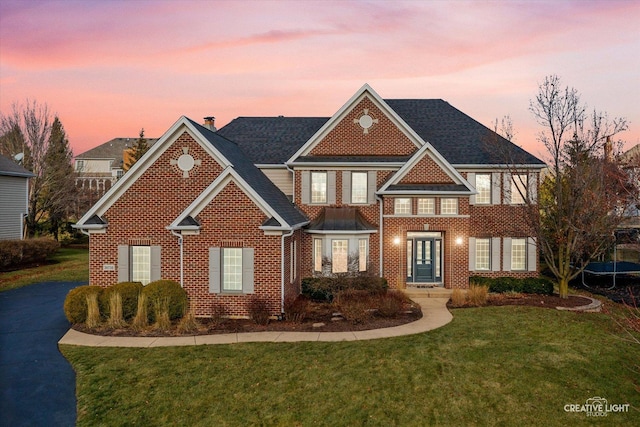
(282, 269)
(179, 236)
(381, 233)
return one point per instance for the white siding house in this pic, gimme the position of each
(14, 197)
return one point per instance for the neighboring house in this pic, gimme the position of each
(413, 190)
(99, 168)
(14, 198)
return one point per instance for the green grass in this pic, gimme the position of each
(68, 265)
(490, 366)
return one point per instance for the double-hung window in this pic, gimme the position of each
(339, 256)
(359, 187)
(318, 187)
(231, 269)
(483, 254)
(426, 206)
(483, 185)
(448, 206)
(362, 254)
(518, 254)
(402, 206)
(317, 255)
(141, 264)
(518, 189)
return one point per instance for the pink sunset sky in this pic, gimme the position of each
(110, 68)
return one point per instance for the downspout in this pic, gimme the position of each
(179, 236)
(282, 269)
(381, 234)
(293, 180)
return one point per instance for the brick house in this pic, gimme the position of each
(412, 189)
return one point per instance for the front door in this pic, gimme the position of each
(424, 260)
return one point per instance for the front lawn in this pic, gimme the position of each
(67, 265)
(490, 366)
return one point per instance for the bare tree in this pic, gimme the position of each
(585, 191)
(26, 130)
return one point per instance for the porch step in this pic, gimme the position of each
(427, 292)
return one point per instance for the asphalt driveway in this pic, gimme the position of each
(37, 384)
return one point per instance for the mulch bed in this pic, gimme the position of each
(322, 319)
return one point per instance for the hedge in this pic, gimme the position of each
(14, 253)
(157, 291)
(530, 285)
(75, 303)
(129, 292)
(325, 288)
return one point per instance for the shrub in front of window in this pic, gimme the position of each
(129, 292)
(296, 308)
(176, 297)
(258, 309)
(325, 288)
(355, 305)
(537, 285)
(75, 303)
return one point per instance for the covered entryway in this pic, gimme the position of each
(424, 258)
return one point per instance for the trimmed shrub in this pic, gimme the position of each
(325, 288)
(14, 253)
(160, 290)
(355, 305)
(537, 285)
(129, 292)
(531, 285)
(75, 303)
(296, 308)
(258, 310)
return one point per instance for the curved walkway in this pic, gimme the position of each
(434, 315)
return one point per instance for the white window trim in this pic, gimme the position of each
(396, 204)
(326, 186)
(366, 189)
(488, 254)
(442, 204)
(433, 205)
(489, 190)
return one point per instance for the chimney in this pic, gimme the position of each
(209, 123)
(608, 150)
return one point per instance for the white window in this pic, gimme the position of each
(79, 165)
(317, 254)
(318, 187)
(518, 189)
(483, 185)
(339, 256)
(518, 254)
(426, 206)
(483, 254)
(231, 269)
(448, 206)
(141, 264)
(359, 187)
(402, 206)
(363, 255)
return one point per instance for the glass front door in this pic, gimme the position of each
(424, 256)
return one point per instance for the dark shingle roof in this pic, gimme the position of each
(9, 168)
(353, 159)
(341, 219)
(452, 188)
(458, 137)
(254, 176)
(112, 149)
(271, 140)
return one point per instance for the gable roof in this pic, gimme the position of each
(9, 168)
(112, 149)
(460, 139)
(227, 153)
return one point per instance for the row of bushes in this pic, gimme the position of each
(14, 253)
(530, 285)
(326, 288)
(161, 294)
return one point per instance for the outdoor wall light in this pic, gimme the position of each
(458, 240)
(396, 240)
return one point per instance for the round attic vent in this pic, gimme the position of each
(186, 162)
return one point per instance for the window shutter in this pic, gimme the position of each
(495, 188)
(156, 271)
(331, 187)
(123, 263)
(472, 253)
(495, 254)
(507, 188)
(346, 187)
(532, 254)
(247, 270)
(371, 187)
(506, 254)
(532, 187)
(214, 270)
(471, 177)
(305, 187)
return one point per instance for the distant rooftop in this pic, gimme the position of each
(112, 149)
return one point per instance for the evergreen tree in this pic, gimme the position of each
(59, 183)
(138, 149)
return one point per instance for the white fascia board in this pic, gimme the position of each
(227, 176)
(270, 165)
(365, 90)
(183, 227)
(150, 157)
(90, 226)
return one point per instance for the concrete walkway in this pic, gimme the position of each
(434, 315)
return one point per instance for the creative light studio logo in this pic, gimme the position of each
(596, 407)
